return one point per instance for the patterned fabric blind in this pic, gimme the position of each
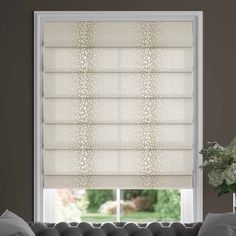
(118, 104)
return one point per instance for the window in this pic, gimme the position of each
(117, 114)
(102, 205)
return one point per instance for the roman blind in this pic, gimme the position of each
(118, 104)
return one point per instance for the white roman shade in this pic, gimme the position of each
(118, 104)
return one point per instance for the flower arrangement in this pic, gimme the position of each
(220, 164)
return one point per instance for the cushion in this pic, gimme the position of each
(11, 224)
(219, 224)
(226, 230)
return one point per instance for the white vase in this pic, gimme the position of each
(234, 202)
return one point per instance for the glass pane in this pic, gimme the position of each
(143, 205)
(79, 205)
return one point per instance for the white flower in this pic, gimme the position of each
(216, 177)
(230, 174)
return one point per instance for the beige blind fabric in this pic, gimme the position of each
(118, 104)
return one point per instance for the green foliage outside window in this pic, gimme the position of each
(145, 198)
(97, 197)
(164, 204)
(168, 204)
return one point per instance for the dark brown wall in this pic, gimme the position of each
(16, 85)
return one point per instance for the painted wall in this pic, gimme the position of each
(16, 86)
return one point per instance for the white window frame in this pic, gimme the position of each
(195, 16)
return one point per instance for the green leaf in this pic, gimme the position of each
(222, 189)
(232, 188)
